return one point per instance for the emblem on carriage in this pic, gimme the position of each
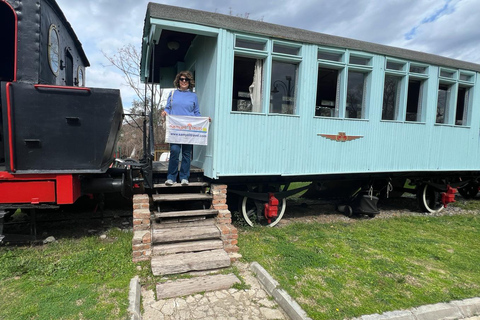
(340, 137)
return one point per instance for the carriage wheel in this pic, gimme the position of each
(429, 199)
(469, 191)
(252, 211)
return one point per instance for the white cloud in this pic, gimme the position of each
(444, 27)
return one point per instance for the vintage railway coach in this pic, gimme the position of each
(293, 105)
(57, 137)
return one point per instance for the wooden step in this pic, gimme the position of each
(181, 197)
(175, 223)
(190, 246)
(184, 287)
(185, 234)
(185, 213)
(178, 185)
(192, 261)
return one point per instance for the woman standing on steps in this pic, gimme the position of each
(181, 102)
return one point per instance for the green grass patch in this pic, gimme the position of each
(344, 270)
(85, 278)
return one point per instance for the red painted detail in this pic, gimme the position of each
(33, 192)
(10, 124)
(16, 42)
(271, 208)
(61, 189)
(48, 86)
(340, 137)
(449, 196)
(68, 189)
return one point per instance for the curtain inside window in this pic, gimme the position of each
(255, 88)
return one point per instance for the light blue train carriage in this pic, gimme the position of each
(294, 105)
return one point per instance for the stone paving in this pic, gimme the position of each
(231, 304)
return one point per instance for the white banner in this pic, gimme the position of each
(187, 130)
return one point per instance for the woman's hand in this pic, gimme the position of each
(164, 113)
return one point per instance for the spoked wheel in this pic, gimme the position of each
(253, 212)
(429, 199)
(469, 191)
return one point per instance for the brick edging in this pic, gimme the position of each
(142, 233)
(224, 218)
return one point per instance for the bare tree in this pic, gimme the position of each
(127, 60)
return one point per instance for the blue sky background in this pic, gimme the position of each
(448, 28)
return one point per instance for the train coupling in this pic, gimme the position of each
(448, 196)
(271, 207)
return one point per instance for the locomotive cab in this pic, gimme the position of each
(57, 136)
(7, 62)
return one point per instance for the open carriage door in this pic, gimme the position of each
(173, 46)
(7, 64)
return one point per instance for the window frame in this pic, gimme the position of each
(269, 56)
(344, 69)
(53, 28)
(455, 82)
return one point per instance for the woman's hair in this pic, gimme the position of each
(186, 74)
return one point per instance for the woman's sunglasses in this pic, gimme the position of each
(184, 79)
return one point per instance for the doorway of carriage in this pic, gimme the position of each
(171, 47)
(7, 61)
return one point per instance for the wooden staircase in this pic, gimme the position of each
(185, 235)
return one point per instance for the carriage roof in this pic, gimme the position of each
(260, 28)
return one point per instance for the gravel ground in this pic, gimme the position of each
(325, 211)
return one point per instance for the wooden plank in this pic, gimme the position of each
(193, 261)
(178, 185)
(190, 246)
(185, 234)
(181, 197)
(185, 213)
(182, 224)
(185, 287)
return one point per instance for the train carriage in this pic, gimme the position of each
(294, 105)
(57, 136)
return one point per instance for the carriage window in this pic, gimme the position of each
(414, 100)
(249, 44)
(247, 84)
(53, 49)
(418, 69)
(330, 56)
(284, 80)
(391, 97)
(447, 73)
(278, 48)
(395, 65)
(80, 77)
(462, 106)
(355, 95)
(327, 93)
(362, 61)
(443, 102)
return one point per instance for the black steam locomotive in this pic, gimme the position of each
(57, 137)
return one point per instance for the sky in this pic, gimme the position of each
(448, 28)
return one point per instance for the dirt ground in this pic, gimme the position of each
(325, 211)
(88, 218)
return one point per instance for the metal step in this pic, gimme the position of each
(181, 197)
(178, 185)
(185, 213)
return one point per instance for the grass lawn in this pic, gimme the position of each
(86, 278)
(343, 270)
